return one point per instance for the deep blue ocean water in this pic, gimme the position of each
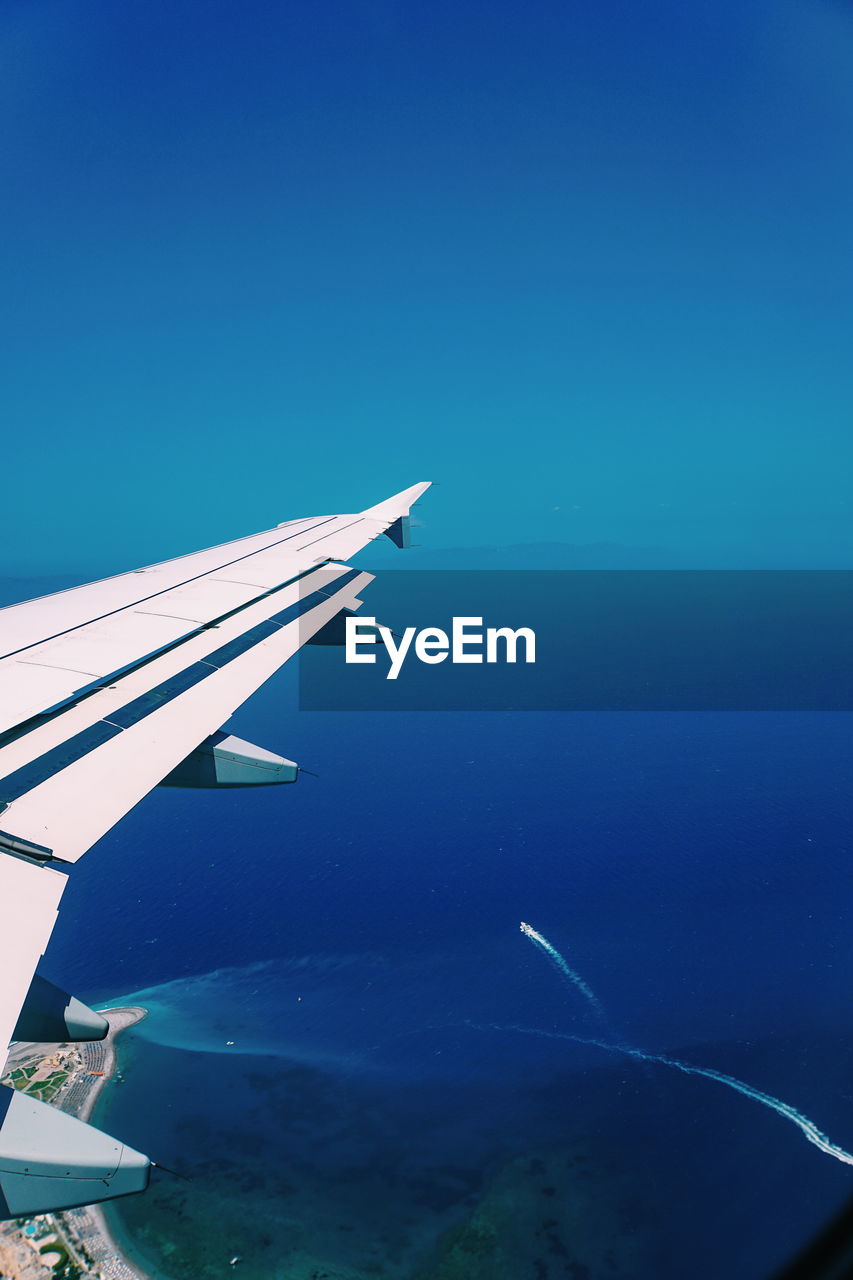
(346, 932)
(588, 266)
(356, 937)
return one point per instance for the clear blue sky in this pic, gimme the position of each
(587, 265)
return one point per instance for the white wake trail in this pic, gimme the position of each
(806, 1126)
(565, 969)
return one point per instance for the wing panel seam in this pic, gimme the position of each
(30, 775)
(175, 585)
(102, 681)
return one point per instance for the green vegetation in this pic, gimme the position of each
(49, 1088)
(21, 1075)
(44, 1090)
(65, 1268)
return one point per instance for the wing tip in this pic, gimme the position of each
(399, 504)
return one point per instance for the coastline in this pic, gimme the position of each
(85, 1232)
(88, 1225)
(120, 1019)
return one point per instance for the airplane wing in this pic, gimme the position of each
(107, 690)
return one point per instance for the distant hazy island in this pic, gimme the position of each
(76, 1244)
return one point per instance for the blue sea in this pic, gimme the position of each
(363, 1068)
(588, 267)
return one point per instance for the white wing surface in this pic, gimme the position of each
(107, 688)
(29, 901)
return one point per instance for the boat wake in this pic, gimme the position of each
(806, 1126)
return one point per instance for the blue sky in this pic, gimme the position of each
(588, 266)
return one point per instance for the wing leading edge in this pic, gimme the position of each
(107, 690)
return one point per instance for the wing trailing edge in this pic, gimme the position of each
(106, 691)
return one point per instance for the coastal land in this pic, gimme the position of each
(76, 1244)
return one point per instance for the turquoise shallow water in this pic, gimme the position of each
(345, 1167)
(585, 266)
(694, 870)
(361, 1127)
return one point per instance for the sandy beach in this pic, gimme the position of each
(85, 1230)
(89, 1225)
(119, 1020)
